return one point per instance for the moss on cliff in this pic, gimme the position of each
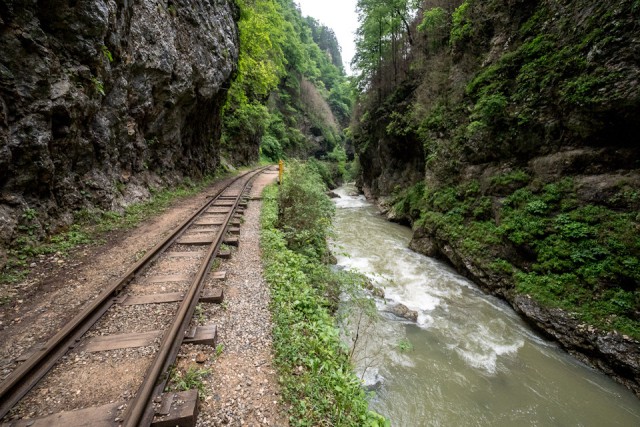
(580, 257)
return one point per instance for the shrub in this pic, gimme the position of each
(317, 379)
(461, 24)
(304, 210)
(270, 148)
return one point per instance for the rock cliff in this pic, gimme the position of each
(102, 100)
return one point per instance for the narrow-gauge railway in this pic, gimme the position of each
(134, 329)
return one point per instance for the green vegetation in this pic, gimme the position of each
(466, 101)
(433, 19)
(404, 345)
(583, 258)
(304, 211)
(199, 314)
(134, 214)
(488, 87)
(461, 24)
(290, 82)
(219, 350)
(98, 85)
(107, 53)
(192, 378)
(315, 372)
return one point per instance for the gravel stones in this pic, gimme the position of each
(243, 388)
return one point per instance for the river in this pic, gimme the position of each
(469, 360)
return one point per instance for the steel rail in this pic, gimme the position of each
(27, 375)
(140, 410)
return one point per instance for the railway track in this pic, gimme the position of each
(129, 336)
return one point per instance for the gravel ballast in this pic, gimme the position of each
(240, 387)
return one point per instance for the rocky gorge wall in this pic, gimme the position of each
(102, 100)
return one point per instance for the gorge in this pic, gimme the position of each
(503, 132)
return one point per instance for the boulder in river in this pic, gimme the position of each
(403, 311)
(372, 380)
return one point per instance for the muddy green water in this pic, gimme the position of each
(471, 361)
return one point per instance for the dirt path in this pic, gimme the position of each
(241, 388)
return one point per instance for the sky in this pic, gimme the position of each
(341, 17)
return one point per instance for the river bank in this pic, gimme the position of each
(526, 256)
(615, 354)
(468, 358)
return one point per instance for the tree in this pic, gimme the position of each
(279, 51)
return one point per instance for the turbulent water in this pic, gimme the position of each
(468, 360)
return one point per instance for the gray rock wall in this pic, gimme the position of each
(102, 100)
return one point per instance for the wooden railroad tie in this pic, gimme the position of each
(209, 221)
(205, 240)
(204, 229)
(195, 240)
(224, 254)
(175, 409)
(206, 335)
(231, 241)
(191, 254)
(170, 278)
(208, 296)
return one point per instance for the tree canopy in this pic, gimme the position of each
(291, 96)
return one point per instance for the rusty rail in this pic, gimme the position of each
(31, 371)
(140, 410)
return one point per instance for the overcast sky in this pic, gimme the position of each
(340, 16)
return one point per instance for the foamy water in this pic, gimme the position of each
(469, 359)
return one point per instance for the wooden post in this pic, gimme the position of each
(280, 171)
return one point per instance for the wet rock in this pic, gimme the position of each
(610, 189)
(403, 311)
(614, 354)
(375, 291)
(372, 380)
(8, 221)
(333, 195)
(3, 258)
(423, 244)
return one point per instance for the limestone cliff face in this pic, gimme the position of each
(101, 100)
(522, 79)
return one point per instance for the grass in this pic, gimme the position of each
(317, 378)
(191, 378)
(90, 227)
(404, 345)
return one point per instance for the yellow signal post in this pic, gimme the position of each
(280, 171)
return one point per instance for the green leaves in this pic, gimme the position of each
(304, 210)
(433, 19)
(278, 55)
(384, 30)
(461, 24)
(315, 373)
